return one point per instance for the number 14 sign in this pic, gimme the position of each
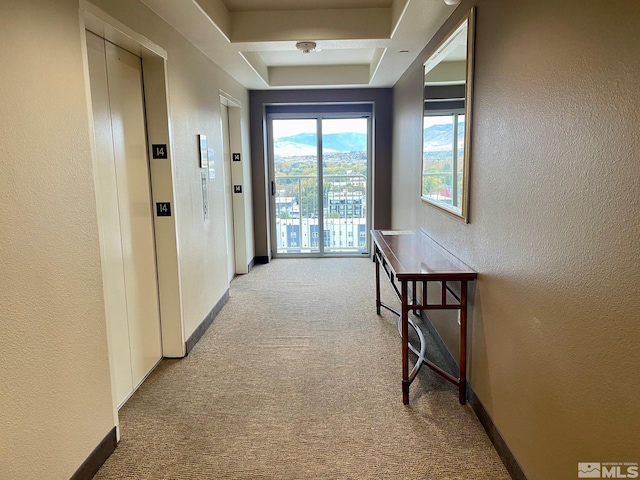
(159, 151)
(163, 209)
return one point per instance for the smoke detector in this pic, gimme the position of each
(306, 47)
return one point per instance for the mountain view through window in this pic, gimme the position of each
(320, 199)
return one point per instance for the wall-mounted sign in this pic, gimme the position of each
(237, 189)
(236, 157)
(159, 150)
(202, 142)
(163, 209)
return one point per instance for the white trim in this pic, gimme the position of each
(107, 27)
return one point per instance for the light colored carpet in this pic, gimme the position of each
(298, 378)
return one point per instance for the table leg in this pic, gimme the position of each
(415, 284)
(404, 322)
(377, 262)
(462, 386)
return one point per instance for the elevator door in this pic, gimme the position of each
(125, 215)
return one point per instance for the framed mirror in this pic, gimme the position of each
(446, 149)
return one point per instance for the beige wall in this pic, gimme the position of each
(55, 393)
(554, 225)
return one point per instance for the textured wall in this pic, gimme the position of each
(194, 82)
(381, 98)
(554, 229)
(55, 392)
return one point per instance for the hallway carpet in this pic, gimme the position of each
(298, 378)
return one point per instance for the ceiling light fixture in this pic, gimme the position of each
(306, 47)
(452, 2)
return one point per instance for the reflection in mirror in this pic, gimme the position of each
(447, 122)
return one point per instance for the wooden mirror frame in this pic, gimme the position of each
(454, 107)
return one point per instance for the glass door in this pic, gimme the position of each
(319, 182)
(345, 163)
(295, 185)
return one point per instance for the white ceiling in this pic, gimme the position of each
(361, 43)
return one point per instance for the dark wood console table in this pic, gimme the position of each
(412, 259)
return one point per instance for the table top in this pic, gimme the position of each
(414, 255)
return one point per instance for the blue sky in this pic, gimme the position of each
(286, 128)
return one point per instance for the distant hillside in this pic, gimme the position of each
(304, 144)
(438, 137)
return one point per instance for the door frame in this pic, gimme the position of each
(228, 191)
(156, 102)
(318, 116)
(240, 202)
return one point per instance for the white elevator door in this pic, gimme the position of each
(125, 214)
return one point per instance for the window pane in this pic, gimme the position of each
(344, 178)
(438, 158)
(295, 147)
